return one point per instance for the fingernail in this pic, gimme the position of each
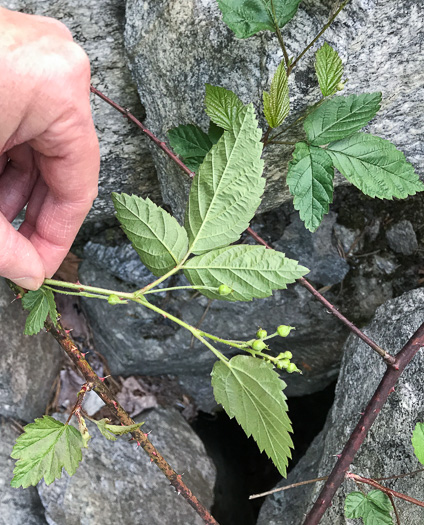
(30, 283)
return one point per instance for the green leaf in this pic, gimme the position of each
(45, 447)
(156, 236)
(250, 271)
(310, 180)
(341, 116)
(222, 106)
(375, 166)
(41, 304)
(418, 441)
(214, 132)
(191, 143)
(329, 69)
(109, 431)
(227, 189)
(277, 101)
(251, 391)
(247, 17)
(374, 508)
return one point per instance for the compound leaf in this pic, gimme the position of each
(374, 508)
(227, 189)
(159, 240)
(329, 69)
(375, 166)
(247, 17)
(341, 116)
(222, 106)
(190, 143)
(45, 447)
(111, 431)
(250, 271)
(40, 303)
(252, 392)
(277, 101)
(418, 441)
(310, 180)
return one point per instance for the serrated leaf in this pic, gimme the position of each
(277, 101)
(222, 106)
(251, 391)
(340, 117)
(45, 447)
(418, 441)
(227, 189)
(374, 508)
(247, 17)
(191, 143)
(214, 132)
(110, 431)
(310, 180)
(329, 69)
(41, 303)
(159, 240)
(375, 166)
(250, 271)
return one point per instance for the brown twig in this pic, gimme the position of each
(96, 383)
(386, 490)
(386, 386)
(392, 501)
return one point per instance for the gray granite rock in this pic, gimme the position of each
(387, 450)
(116, 481)
(401, 238)
(17, 506)
(28, 364)
(126, 163)
(176, 47)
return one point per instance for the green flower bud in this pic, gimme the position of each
(292, 368)
(283, 330)
(284, 363)
(258, 345)
(261, 334)
(224, 290)
(113, 299)
(288, 355)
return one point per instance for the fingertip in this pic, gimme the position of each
(29, 283)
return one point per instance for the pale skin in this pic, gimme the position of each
(49, 152)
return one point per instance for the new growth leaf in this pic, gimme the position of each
(251, 391)
(277, 101)
(329, 69)
(40, 304)
(45, 447)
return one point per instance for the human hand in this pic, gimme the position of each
(49, 153)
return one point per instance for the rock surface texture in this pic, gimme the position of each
(176, 47)
(387, 450)
(17, 506)
(28, 365)
(126, 163)
(117, 482)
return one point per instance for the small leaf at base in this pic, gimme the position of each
(41, 304)
(374, 508)
(45, 447)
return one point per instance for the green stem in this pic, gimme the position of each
(80, 294)
(213, 289)
(196, 333)
(161, 279)
(280, 37)
(84, 288)
(323, 30)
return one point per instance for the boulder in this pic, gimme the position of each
(176, 47)
(17, 506)
(117, 481)
(28, 364)
(126, 163)
(387, 449)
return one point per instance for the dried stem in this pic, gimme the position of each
(392, 501)
(386, 490)
(92, 379)
(386, 386)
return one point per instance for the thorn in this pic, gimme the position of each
(115, 404)
(138, 444)
(362, 429)
(68, 331)
(392, 390)
(154, 453)
(102, 379)
(151, 460)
